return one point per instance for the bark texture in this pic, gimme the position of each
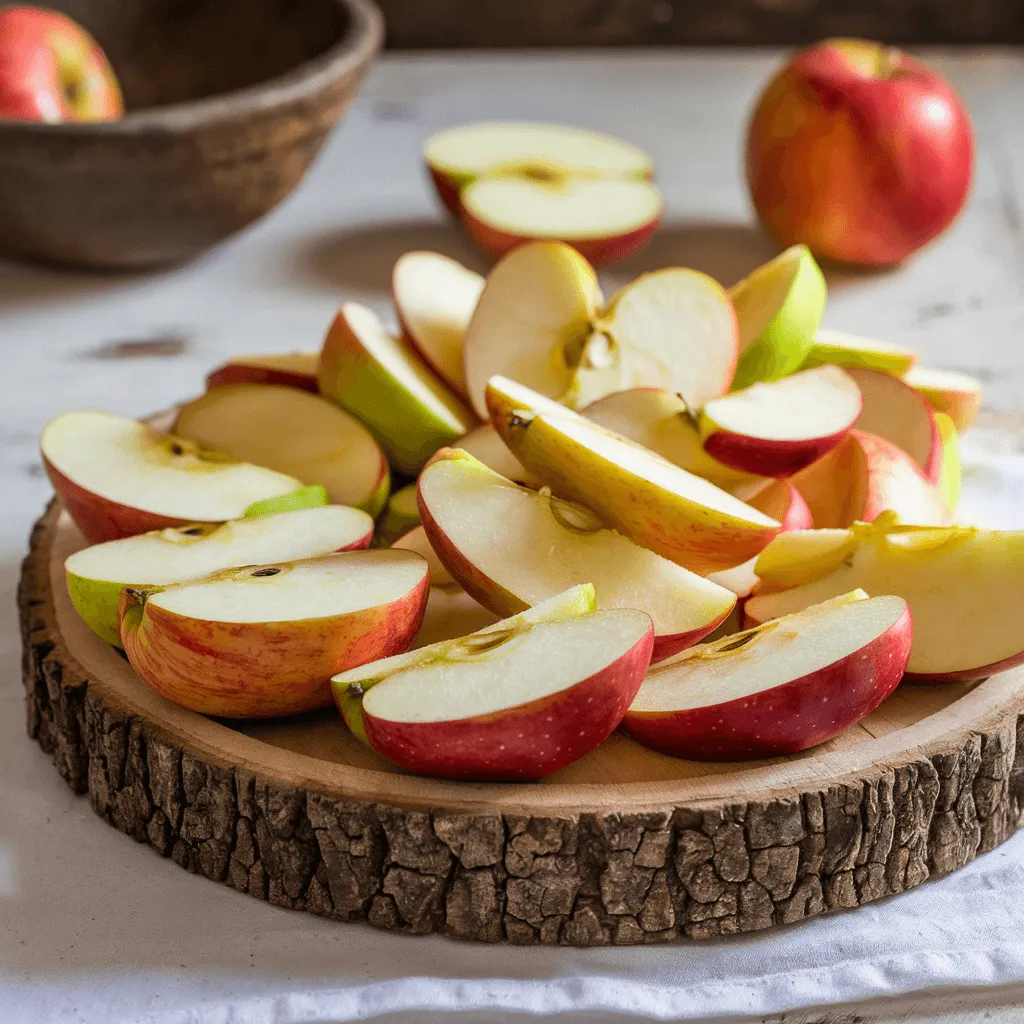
(580, 879)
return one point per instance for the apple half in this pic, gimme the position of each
(957, 394)
(291, 369)
(777, 689)
(511, 547)
(962, 585)
(96, 575)
(294, 432)
(262, 641)
(118, 477)
(777, 428)
(434, 298)
(852, 351)
(381, 380)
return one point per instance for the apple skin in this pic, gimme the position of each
(782, 501)
(52, 70)
(245, 373)
(859, 151)
(968, 674)
(448, 189)
(510, 745)
(784, 719)
(768, 458)
(259, 670)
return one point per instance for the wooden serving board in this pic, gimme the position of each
(625, 846)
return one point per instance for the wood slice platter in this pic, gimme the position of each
(625, 846)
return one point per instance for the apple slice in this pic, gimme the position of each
(400, 515)
(956, 394)
(778, 499)
(96, 575)
(484, 443)
(118, 477)
(312, 496)
(864, 477)
(511, 547)
(777, 689)
(513, 702)
(382, 381)
(950, 471)
(962, 585)
(291, 369)
(261, 641)
(851, 351)
(662, 421)
(434, 298)
(651, 501)
(778, 428)
(802, 556)
(779, 307)
(296, 433)
(416, 540)
(895, 411)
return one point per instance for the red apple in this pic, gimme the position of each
(859, 151)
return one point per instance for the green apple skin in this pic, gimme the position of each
(400, 516)
(96, 602)
(783, 345)
(312, 496)
(949, 472)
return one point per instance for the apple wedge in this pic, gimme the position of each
(96, 575)
(400, 514)
(778, 499)
(311, 496)
(962, 585)
(511, 547)
(777, 428)
(118, 477)
(484, 443)
(864, 477)
(382, 381)
(950, 471)
(416, 540)
(291, 369)
(261, 641)
(803, 556)
(513, 702)
(296, 433)
(780, 688)
(851, 351)
(541, 321)
(779, 307)
(958, 395)
(651, 501)
(434, 298)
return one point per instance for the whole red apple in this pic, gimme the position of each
(51, 69)
(859, 151)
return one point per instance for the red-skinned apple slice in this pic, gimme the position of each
(962, 585)
(261, 641)
(434, 298)
(777, 689)
(778, 499)
(292, 369)
(118, 477)
(777, 428)
(511, 547)
(956, 394)
(296, 433)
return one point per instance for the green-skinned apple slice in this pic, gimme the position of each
(837, 348)
(311, 496)
(96, 575)
(950, 471)
(957, 394)
(400, 515)
(292, 369)
(293, 432)
(118, 477)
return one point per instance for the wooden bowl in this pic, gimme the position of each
(227, 101)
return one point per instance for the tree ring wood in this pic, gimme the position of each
(625, 846)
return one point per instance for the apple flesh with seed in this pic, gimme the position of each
(851, 351)
(511, 547)
(52, 70)
(118, 477)
(381, 380)
(434, 298)
(291, 369)
(512, 182)
(294, 432)
(778, 428)
(96, 575)
(780, 688)
(859, 151)
(262, 641)
(956, 394)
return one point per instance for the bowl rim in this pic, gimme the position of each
(356, 48)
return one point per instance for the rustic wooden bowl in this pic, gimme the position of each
(228, 102)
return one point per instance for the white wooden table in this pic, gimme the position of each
(80, 903)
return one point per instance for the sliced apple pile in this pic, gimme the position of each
(261, 641)
(785, 686)
(956, 394)
(511, 182)
(118, 477)
(96, 575)
(295, 433)
(292, 369)
(851, 351)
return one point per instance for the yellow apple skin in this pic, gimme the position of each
(949, 469)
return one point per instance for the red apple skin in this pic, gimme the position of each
(777, 459)
(523, 743)
(965, 675)
(52, 70)
(448, 190)
(244, 373)
(863, 167)
(782, 501)
(785, 719)
(260, 670)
